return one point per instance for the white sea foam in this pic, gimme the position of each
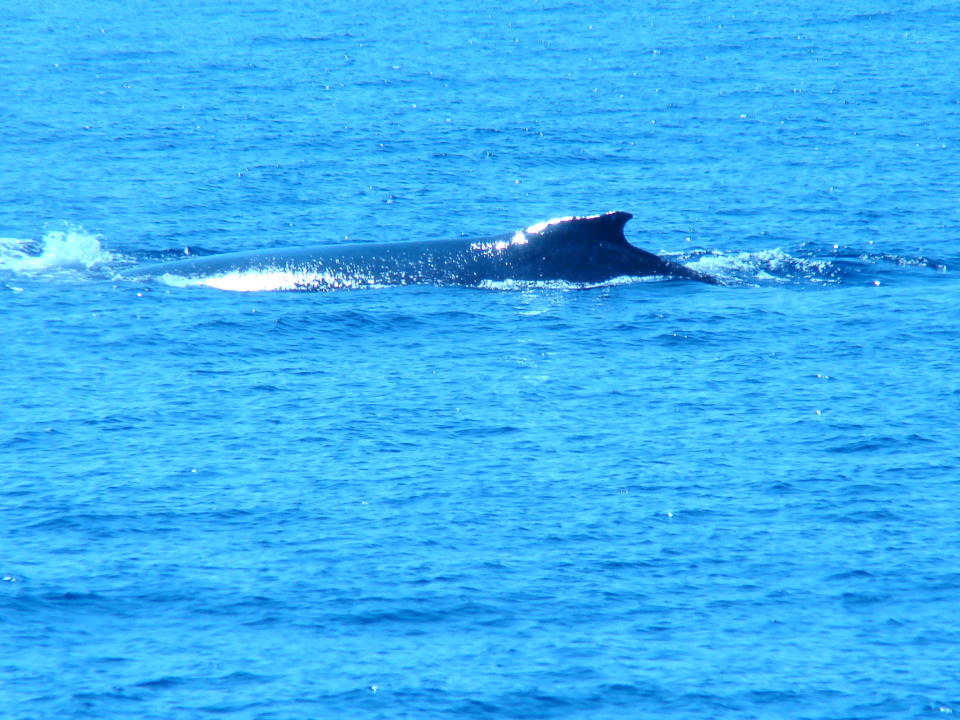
(765, 265)
(57, 250)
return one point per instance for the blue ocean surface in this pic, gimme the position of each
(644, 498)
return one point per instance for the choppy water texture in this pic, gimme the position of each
(646, 499)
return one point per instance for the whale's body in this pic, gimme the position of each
(577, 249)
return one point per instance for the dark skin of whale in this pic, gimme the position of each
(585, 250)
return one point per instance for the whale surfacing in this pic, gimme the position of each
(582, 250)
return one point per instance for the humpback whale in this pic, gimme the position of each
(587, 250)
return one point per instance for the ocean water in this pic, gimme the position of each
(648, 498)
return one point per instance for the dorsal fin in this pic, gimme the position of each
(607, 227)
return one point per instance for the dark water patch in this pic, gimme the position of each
(886, 444)
(164, 683)
(358, 322)
(276, 40)
(489, 431)
(101, 525)
(870, 516)
(412, 619)
(79, 601)
(850, 575)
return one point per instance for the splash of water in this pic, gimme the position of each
(57, 250)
